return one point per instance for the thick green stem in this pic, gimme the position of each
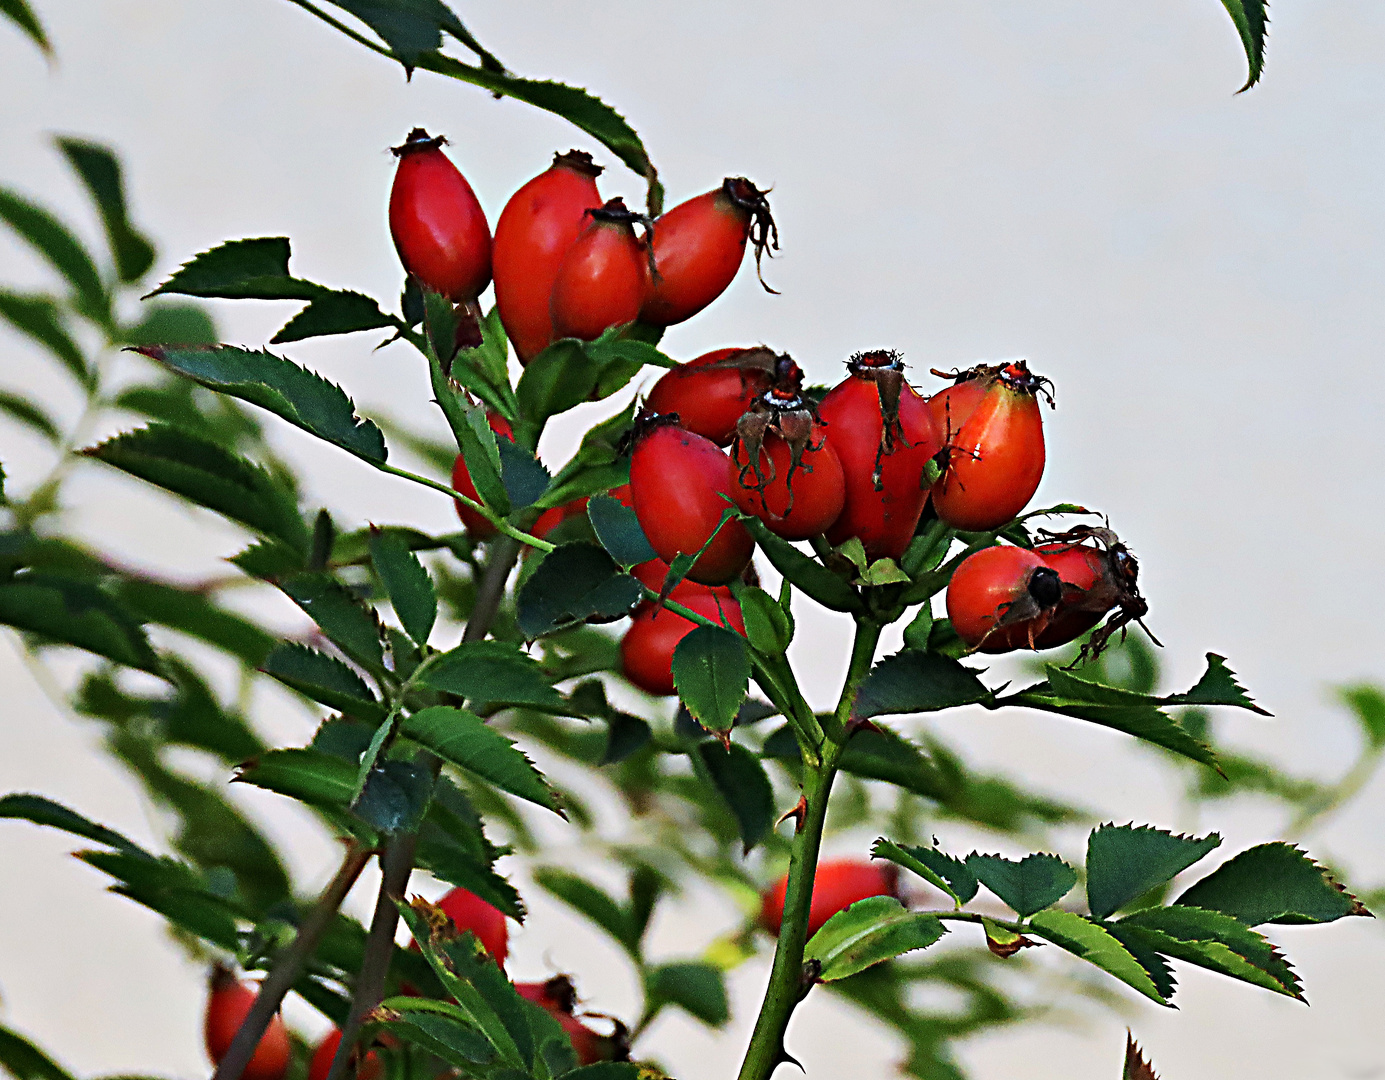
(787, 984)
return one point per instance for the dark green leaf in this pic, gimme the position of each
(440, 1028)
(592, 902)
(395, 796)
(1156, 965)
(1218, 686)
(808, 575)
(460, 737)
(40, 318)
(740, 779)
(1126, 861)
(334, 311)
(943, 872)
(1251, 19)
(350, 625)
(768, 626)
(302, 398)
(408, 584)
(493, 673)
(43, 811)
(625, 735)
(172, 889)
(911, 682)
(1134, 714)
(269, 560)
(76, 613)
(619, 530)
(1027, 886)
(195, 613)
(453, 848)
(19, 13)
(561, 377)
(52, 239)
(699, 989)
(1368, 703)
(574, 582)
(1084, 938)
(18, 1056)
(413, 27)
(256, 269)
(524, 476)
(99, 169)
(867, 933)
(323, 678)
(209, 475)
(711, 670)
(480, 447)
(1274, 883)
(30, 415)
(1216, 941)
(310, 776)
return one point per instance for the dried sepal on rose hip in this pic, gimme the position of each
(787, 474)
(711, 393)
(994, 443)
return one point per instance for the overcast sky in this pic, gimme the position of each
(1075, 182)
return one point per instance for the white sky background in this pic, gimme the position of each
(1200, 274)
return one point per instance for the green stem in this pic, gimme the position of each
(501, 525)
(787, 985)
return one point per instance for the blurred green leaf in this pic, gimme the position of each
(39, 318)
(24, 411)
(196, 614)
(592, 902)
(1126, 861)
(52, 239)
(1252, 19)
(22, 15)
(76, 613)
(1084, 938)
(461, 738)
(99, 170)
(868, 932)
(711, 670)
(208, 475)
(44, 811)
(1367, 702)
(324, 679)
(299, 396)
(18, 1056)
(699, 989)
(1276, 883)
(173, 890)
(1032, 883)
(172, 324)
(740, 779)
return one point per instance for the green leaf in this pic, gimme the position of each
(76, 613)
(18, 1056)
(460, 737)
(30, 415)
(868, 932)
(412, 28)
(1218, 686)
(1206, 938)
(489, 673)
(1273, 883)
(323, 678)
(943, 872)
(351, 626)
(452, 846)
(440, 1028)
(575, 105)
(302, 398)
(332, 312)
(740, 780)
(307, 775)
(611, 1070)
(808, 575)
(1027, 886)
(592, 902)
(1367, 702)
(100, 171)
(409, 587)
(209, 475)
(768, 626)
(1251, 19)
(52, 239)
(19, 13)
(1084, 938)
(570, 372)
(43, 811)
(39, 318)
(1126, 861)
(194, 613)
(625, 735)
(174, 891)
(575, 582)
(698, 989)
(256, 269)
(1156, 965)
(911, 682)
(711, 671)
(1134, 714)
(524, 476)
(480, 447)
(395, 796)
(619, 531)
(269, 560)
(172, 324)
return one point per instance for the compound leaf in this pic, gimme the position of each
(868, 932)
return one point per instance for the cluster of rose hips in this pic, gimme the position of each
(230, 1000)
(736, 428)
